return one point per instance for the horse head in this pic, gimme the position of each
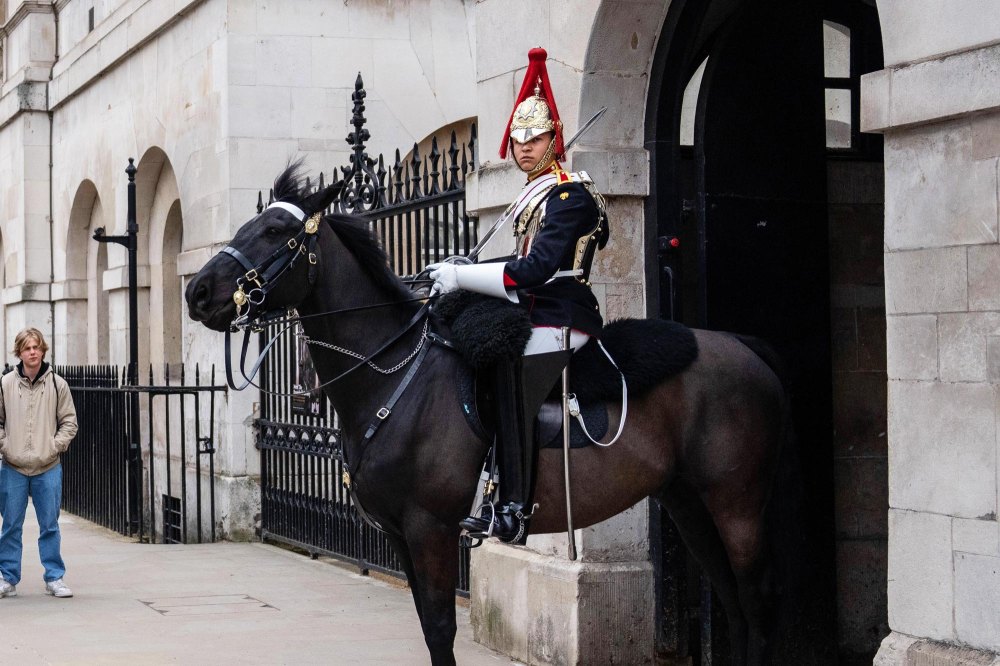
(271, 262)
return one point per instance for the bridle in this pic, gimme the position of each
(252, 315)
(267, 272)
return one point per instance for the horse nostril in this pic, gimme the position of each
(199, 295)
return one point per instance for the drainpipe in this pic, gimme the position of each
(52, 220)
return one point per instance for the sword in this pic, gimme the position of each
(565, 406)
(510, 209)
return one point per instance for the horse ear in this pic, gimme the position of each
(322, 199)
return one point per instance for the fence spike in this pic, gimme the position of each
(472, 147)
(415, 163)
(453, 163)
(260, 202)
(435, 156)
(397, 179)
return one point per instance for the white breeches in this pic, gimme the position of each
(549, 339)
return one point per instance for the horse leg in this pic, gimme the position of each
(741, 530)
(700, 535)
(433, 548)
(402, 552)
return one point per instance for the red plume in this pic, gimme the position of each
(536, 71)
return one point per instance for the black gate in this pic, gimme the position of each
(417, 209)
(158, 486)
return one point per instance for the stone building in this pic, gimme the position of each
(830, 171)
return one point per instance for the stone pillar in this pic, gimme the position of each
(942, 268)
(25, 141)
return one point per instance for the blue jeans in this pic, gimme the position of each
(46, 494)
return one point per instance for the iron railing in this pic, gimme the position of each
(417, 209)
(99, 480)
(151, 487)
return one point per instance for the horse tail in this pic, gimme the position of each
(767, 354)
(785, 529)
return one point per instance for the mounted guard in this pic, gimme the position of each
(559, 222)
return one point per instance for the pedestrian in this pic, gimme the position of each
(37, 424)
(559, 222)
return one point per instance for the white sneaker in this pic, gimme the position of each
(6, 589)
(57, 588)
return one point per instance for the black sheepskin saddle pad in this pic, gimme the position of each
(486, 330)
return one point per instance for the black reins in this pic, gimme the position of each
(264, 275)
(417, 317)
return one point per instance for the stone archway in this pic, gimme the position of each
(81, 302)
(775, 241)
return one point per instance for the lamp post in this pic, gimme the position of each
(129, 242)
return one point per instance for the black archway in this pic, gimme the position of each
(758, 204)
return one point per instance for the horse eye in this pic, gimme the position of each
(271, 231)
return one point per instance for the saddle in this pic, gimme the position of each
(485, 330)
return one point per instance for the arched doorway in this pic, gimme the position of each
(767, 209)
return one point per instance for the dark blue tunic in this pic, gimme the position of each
(565, 301)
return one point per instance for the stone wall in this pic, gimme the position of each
(212, 98)
(938, 107)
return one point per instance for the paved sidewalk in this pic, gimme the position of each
(222, 603)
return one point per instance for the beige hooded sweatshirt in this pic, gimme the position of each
(37, 420)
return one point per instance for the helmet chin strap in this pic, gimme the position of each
(546, 159)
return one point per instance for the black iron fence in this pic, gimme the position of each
(99, 480)
(153, 487)
(417, 209)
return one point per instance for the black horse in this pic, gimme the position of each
(704, 443)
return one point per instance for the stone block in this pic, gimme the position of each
(570, 37)
(844, 339)
(545, 611)
(963, 344)
(862, 607)
(871, 339)
(306, 18)
(980, 537)
(926, 281)
(625, 98)
(935, 195)
(985, 136)
(859, 414)
(856, 244)
(984, 276)
(856, 184)
(861, 498)
(317, 113)
(496, 100)
(254, 163)
(920, 574)
(933, 653)
(403, 86)
(993, 359)
(260, 111)
(503, 41)
(918, 34)
(278, 61)
(336, 63)
(977, 600)
(241, 59)
(963, 83)
(912, 347)
(943, 459)
(618, 172)
(623, 35)
(242, 18)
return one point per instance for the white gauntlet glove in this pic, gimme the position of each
(445, 278)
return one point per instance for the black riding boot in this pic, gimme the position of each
(521, 387)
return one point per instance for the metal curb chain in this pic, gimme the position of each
(348, 352)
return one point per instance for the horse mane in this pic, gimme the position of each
(290, 185)
(353, 232)
(357, 237)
